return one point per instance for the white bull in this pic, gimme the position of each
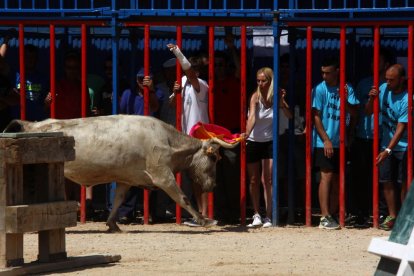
(133, 151)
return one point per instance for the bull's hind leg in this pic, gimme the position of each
(165, 180)
(120, 192)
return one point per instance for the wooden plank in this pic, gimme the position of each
(14, 249)
(39, 217)
(38, 150)
(52, 245)
(70, 263)
(14, 184)
(30, 135)
(56, 181)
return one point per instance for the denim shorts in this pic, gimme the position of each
(394, 168)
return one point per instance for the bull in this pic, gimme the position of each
(134, 151)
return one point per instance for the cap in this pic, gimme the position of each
(170, 63)
(141, 72)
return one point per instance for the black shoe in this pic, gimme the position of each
(361, 222)
(124, 220)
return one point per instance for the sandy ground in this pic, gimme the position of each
(170, 249)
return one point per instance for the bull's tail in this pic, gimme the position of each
(14, 126)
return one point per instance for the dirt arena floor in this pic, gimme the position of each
(170, 249)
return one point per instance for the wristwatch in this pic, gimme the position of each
(388, 150)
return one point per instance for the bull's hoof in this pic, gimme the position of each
(209, 222)
(113, 228)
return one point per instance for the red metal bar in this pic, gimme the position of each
(243, 109)
(308, 200)
(178, 112)
(146, 105)
(410, 105)
(22, 74)
(84, 110)
(52, 70)
(375, 191)
(211, 101)
(342, 125)
(339, 24)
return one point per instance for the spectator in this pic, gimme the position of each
(37, 87)
(393, 99)
(299, 131)
(227, 114)
(8, 97)
(326, 115)
(132, 102)
(69, 89)
(259, 146)
(361, 147)
(194, 110)
(69, 104)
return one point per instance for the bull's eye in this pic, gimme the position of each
(213, 158)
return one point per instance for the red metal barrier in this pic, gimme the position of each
(342, 127)
(243, 77)
(211, 87)
(178, 112)
(53, 70)
(85, 108)
(146, 106)
(375, 191)
(22, 74)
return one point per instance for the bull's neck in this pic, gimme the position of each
(183, 150)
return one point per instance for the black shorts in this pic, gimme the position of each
(323, 162)
(394, 168)
(256, 151)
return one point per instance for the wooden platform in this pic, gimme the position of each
(32, 194)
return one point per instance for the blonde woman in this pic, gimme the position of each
(259, 144)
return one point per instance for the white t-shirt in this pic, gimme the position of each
(195, 104)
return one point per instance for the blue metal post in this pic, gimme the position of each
(276, 40)
(115, 73)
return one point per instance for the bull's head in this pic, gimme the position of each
(203, 170)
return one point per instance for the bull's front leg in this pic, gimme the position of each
(120, 192)
(166, 182)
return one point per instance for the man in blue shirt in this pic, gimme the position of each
(132, 102)
(393, 99)
(326, 115)
(361, 148)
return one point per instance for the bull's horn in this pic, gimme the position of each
(224, 144)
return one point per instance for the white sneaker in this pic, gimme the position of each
(257, 221)
(267, 223)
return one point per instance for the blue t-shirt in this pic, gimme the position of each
(37, 88)
(326, 99)
(133, 103)
(394, 110)
(365, 126)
